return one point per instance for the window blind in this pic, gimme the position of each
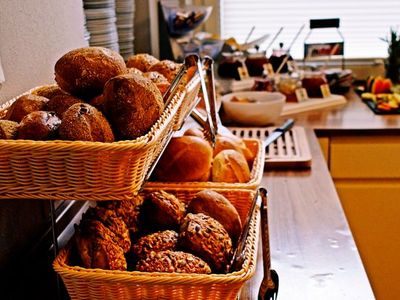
(362, 23)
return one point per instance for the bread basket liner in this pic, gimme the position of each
(80, 170)
(84, 283)
(256, 174)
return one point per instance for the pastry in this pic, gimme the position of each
(83, 122)
(230, 166)
(24, 105)
(8, 129)
(84, 71)
(173, 262)
(207, 238)
(39, 125)
(141, 61)
(186, 158)
(215, 205)
(157, 241)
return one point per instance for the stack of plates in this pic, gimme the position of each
(101, 23)
(125, 10)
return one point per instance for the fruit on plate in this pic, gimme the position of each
(384, 101)
(379, 85)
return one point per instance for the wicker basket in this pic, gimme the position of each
(256, 174)
(84, 283)
(65, 170)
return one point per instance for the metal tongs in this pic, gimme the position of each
(211, 122)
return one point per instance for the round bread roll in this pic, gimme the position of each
(227, 142)
(157, 241)
(162, 210)
(166, 67)
(141, 61)
(230, 166)
(134, 71)
(49, 91)
(24, 105)
(39, 125)
(84, 71)
(133, 104)
(60, 104)
(207, 238)
(159, 80)
(194, 131)
(83, 122)
(186, 158)
(215, 205)
(8, 129)
(98, 102)
(173, 262)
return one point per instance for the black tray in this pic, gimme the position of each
(371, 104)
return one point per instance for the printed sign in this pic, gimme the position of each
(301, 94)
(243, 73)
(325, 90)
(268, 69)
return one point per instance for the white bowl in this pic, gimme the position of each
(265, 109)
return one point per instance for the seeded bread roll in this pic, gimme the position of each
(128, 210)
(8, 129)
(39, 125)
(207, 238)
(83, 122)
(135, 71)
(84, 71)
(49, 91)
(97, 247)
(24, 105)
(60, 104)
(215, 205)
(159, 80)
(173, 262)
(166, 67)
(162, 210)
(141, 61)
(186, 158)
(133, 104)
(157, 241)
(230, 166)
(109, 219)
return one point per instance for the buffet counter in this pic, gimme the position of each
(313, 248)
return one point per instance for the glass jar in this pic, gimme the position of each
(230, 64)
(255, 63)
(287, 85)
(312, 82)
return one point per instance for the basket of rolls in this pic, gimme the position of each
(189, 161)
(95, 133)
(162, 244)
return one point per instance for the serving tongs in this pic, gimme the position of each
(211, 122)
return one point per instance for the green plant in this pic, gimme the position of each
(392, 64)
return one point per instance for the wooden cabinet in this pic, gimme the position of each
(366, 172)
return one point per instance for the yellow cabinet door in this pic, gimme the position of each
(372, 208)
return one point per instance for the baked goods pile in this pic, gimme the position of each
(190, 158)
(160, 233)
(98, 97)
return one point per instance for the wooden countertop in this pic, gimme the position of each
(312, 247)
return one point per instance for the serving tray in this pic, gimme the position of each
(289, 151)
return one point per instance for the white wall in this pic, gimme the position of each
(33, 35)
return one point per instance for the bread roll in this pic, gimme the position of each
(49, 91)
(83, 122)
(159, 80)
(134, 71)
(173, 262)
(60, 104)
(98, 102)
(162, 210)
(186, 158)
(194, 131)
(83, 72)
(207, 238)
(39, 125)
(157, 241)
(166, 67)
(24, 105)
(133, 104)
(141, 61)
(8, 129)
(230, 166)
(229, 142)
(215, 205)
